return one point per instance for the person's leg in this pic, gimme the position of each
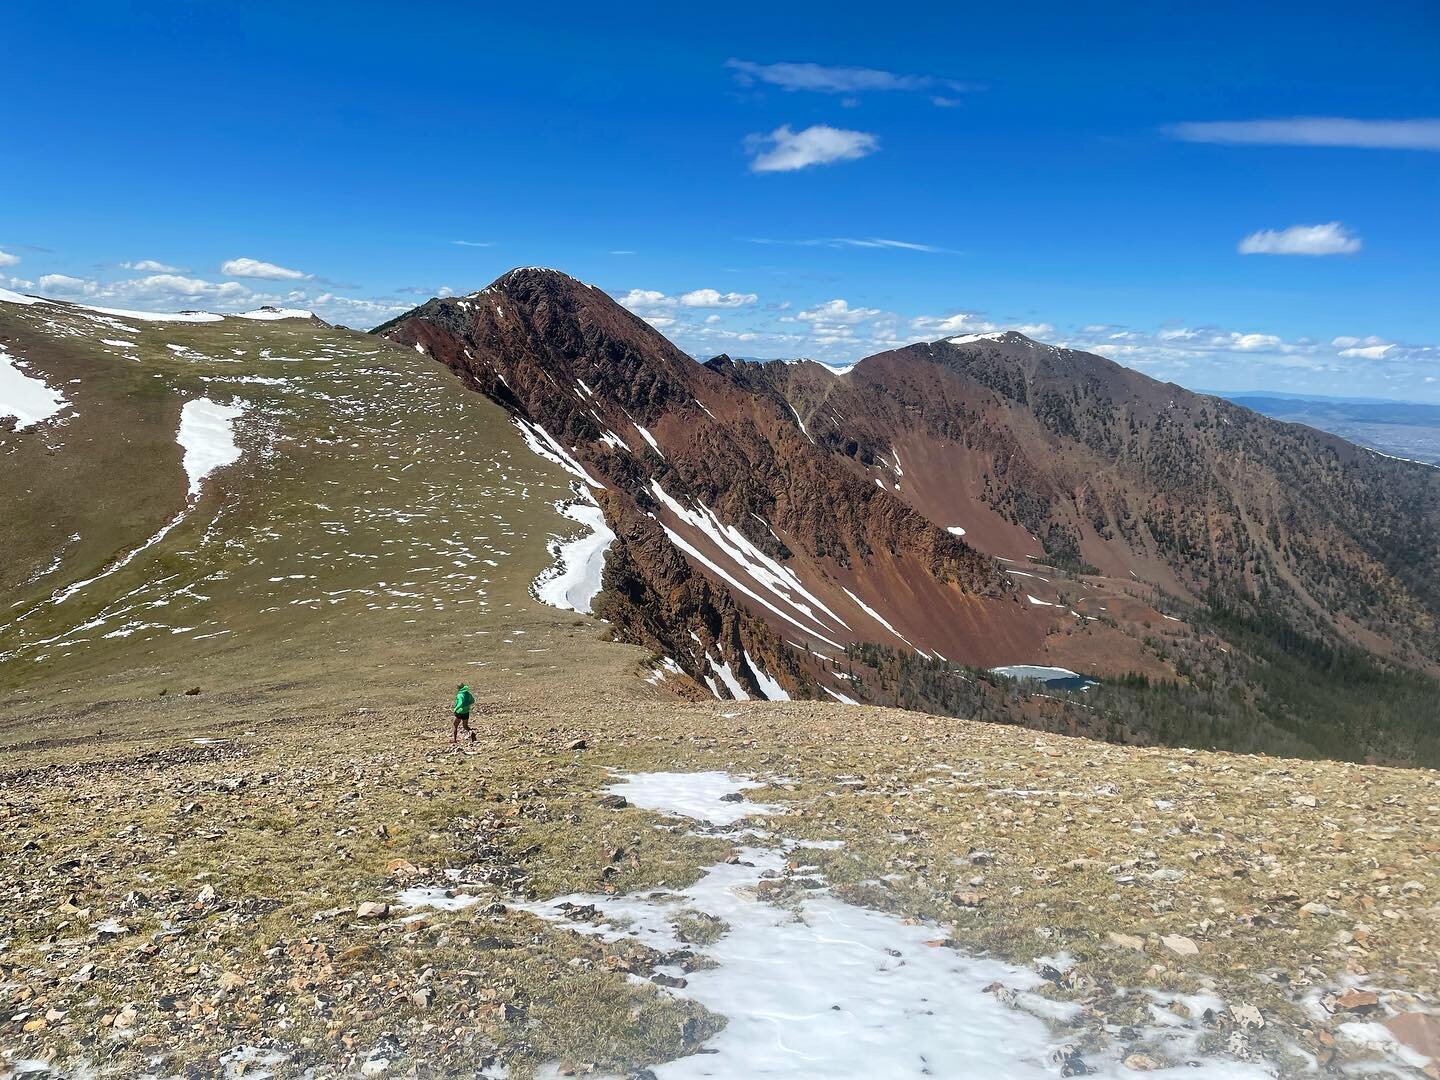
(468, 730)
(455, 730)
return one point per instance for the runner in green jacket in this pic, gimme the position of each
(463, 700)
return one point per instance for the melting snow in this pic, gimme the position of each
(572, 583)
(772, 690)
(764, 571)
(965, 339)
(19, 298)
(727, 676)
(28, 399)
(955, 530)
(825, 988)
(543, 443)
(271, 314)
(649, 439)
(157, 316)
(877, 617)
(207, 433)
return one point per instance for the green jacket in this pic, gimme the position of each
(463, 700)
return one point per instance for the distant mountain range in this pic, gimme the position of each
(1402, 429)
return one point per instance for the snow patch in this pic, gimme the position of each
(543, 443)
(8, 297)
(573, 582)
(644, 434)
(772, 690)
(271, 314)
(819, 987)
(769, 575)
(156, 316)
(727, 676)
(28, 399)
(207, 435)
(877, 617)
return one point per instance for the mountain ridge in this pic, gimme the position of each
(983, 500)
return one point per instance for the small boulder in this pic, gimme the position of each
(1180, 945)
(1357, 1000)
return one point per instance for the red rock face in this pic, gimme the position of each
(768, 516)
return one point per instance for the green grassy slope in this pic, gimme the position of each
(380, 516)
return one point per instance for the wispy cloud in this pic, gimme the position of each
(852, 242)
(473, 243)
(1331, 238)
(150, 266)
(7, 259)
(836, 79)
(785, 150)
(255, 268)
(1418, 134)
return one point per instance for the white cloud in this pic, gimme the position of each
(1331, 238)
(1368, 352)
(710, 298)
(1419, 134)
(643, 301)
(6, 259)
(161, 291)
(785, 150)
(853, 242)
(1366, 348)
(474, 243)
(660, 322)
(1255, 342)
(62, 283)
(963, 323)
(344, 308)
(836, 312)
(254, 268)
(150, 266)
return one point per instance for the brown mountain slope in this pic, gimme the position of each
(1024, 444)
(988, 501)
(738, 532)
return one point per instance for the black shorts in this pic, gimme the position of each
(462, 716)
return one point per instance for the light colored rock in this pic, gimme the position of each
(1180, 945)
(1247, 1016)
(1126, 941)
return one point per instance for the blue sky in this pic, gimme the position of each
(1230, 196)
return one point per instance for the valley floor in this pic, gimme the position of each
(212, 884)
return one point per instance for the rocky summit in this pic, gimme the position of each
(983, 709)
